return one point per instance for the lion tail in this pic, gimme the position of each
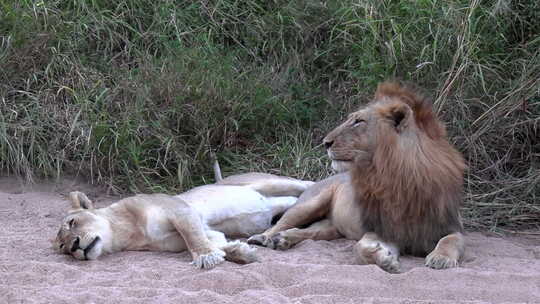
(217, 170)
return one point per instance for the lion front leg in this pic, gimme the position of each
(372, 250)
(303, 213)
(322, 230)
(205, 254)
(265, 239)
(235, 251)
(448, 252)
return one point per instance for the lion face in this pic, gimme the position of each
(83, 233)
(356, 140)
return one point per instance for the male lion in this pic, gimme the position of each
(197, 220)
(401, 194)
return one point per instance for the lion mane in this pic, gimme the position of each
(411, 190)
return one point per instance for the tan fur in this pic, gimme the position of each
(325, 211)
(415, 176)
(189, 221)
(406, 184)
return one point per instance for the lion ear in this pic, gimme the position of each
(79, 200)
(400, 116)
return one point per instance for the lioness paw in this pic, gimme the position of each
(261, 240)
(209, 260)
(436, 260)
(240, 253)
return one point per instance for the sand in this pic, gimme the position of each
(496, 269)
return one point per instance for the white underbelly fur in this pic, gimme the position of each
(237, 211)
(160, 234)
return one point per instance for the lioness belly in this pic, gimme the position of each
(256, 221)
(235, 210)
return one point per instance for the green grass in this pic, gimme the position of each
(136, 94)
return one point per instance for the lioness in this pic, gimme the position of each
(401, 194)
(197, 220)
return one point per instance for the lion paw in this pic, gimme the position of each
(281, 242)
(261, 240)
(382, 256)
(390, 263)
(209, 260)
(436, 260)
(386, 259)
(240, 253)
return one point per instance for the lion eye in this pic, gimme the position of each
(61, 246)
(71, 223)
(358, 121)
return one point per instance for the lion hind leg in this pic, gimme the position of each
(448, 252)
(281, 187)
(235, 251)
(372, 250)
(280, 204)
(240, 252)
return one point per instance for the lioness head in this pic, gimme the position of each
(83, 233)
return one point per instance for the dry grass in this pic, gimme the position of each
(135, 94)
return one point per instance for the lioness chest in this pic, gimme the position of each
(155, 232)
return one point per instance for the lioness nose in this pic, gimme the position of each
(328, 143)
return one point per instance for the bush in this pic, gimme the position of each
(136, 93)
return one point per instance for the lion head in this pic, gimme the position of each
(84, 233)
(407, 176)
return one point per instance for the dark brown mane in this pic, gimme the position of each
(411, 189)
(422, 108)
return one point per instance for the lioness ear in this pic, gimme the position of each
(400, 115)
(79, 200)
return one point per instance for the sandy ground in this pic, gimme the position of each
(496, 270)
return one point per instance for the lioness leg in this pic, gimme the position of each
(302, 213)
(447, 253)
(189, 225)
(321, 230)
(235, 251)
(281, 187)
(372, 250)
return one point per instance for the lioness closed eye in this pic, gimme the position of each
(197, 220)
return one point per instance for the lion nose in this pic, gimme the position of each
(328, 143)
(75, 245)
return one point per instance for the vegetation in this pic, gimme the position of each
(136, 93)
